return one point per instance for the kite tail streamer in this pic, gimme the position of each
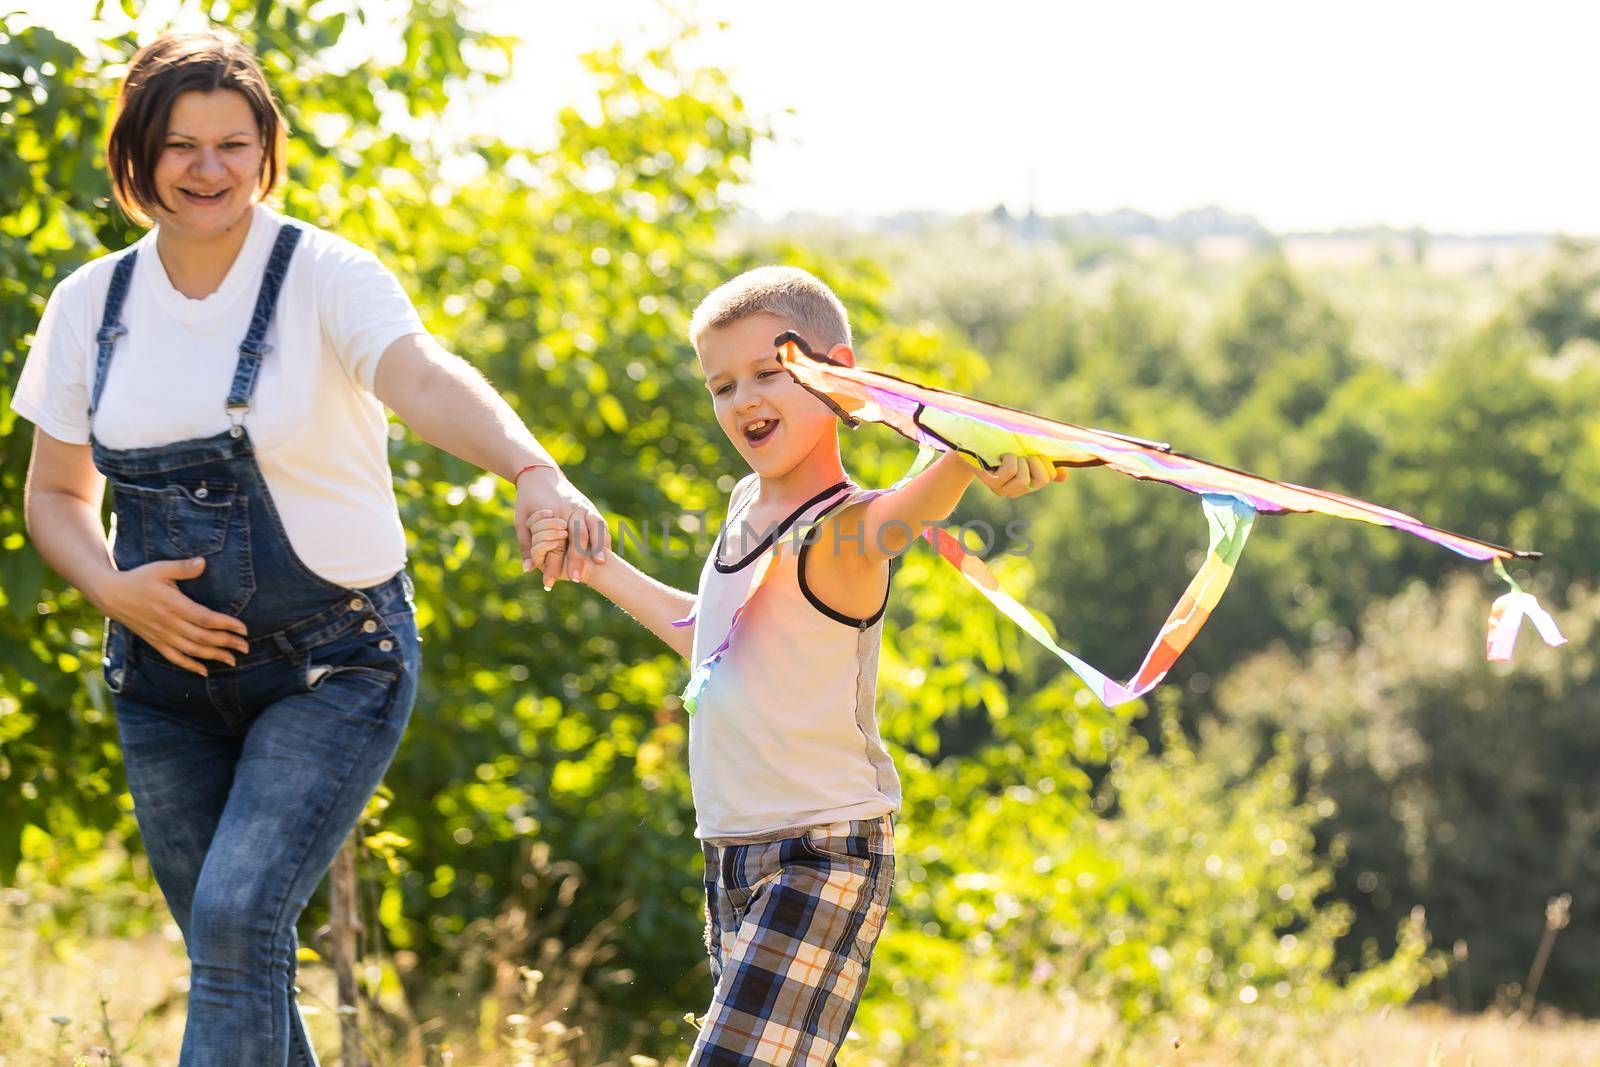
(1230, 522)
(1507, 613)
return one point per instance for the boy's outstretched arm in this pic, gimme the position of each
(848, 574)
(891, 522)
(653, 605)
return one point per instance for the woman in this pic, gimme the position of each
(228, 375)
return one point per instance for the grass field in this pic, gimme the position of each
(52, 995)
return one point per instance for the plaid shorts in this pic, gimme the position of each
(790, 927)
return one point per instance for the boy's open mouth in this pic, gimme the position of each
(758, 431)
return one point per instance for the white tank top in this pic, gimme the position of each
(784, 734)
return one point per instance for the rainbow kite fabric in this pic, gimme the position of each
(946, 421)
(938, 419)
(942, 421)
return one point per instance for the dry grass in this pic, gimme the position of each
(1024, 1029)
(1433, 1037)
(51, 1000)
(144, 981)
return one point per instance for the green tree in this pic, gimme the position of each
(54, 216)
(1565, 305)
(1462, 786)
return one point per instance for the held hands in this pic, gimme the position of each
(147, 601)
(547, 539)
(1019, 475)
(546, 491)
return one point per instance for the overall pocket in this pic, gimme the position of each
(198, 515)
(184, 520)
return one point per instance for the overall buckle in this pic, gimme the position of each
(236, 413)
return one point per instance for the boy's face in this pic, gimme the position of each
(773, 421)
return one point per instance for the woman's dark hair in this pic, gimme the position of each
(173, 64)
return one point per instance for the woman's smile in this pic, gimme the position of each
(203, 199)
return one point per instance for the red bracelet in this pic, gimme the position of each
(517, 477)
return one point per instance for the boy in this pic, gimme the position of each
(794, 793)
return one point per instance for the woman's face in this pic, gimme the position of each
(210, 163)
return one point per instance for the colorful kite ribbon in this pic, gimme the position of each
(938, 420)
(1230, 524)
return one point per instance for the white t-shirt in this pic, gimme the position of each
(321, 436)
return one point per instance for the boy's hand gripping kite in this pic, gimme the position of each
(941, 421)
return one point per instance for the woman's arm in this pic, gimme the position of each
(61, 505)
(447, 403)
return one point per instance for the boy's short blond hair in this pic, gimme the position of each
(788, 292)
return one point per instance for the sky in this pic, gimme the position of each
(1459, 117)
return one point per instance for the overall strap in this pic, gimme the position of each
(111, 326)
(253, 347)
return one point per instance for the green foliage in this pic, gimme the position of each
(56, 753)
(1184, 890)
(567, 276)
(1464, 787)
(1490, 431)
(1564, 306)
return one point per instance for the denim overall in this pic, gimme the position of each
(245, 782)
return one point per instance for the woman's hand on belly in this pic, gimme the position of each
(147, 601)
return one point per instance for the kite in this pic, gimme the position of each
(938, 420)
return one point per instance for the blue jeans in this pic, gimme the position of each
(244, 787)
